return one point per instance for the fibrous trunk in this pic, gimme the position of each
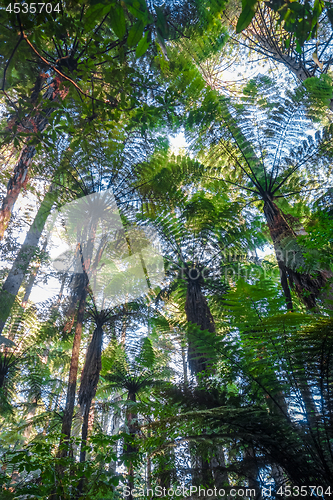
(290, 258)
(197, 312)
(89, 381)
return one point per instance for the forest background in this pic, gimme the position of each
(166, 313)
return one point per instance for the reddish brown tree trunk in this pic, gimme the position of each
(21, 171)
(72, 378)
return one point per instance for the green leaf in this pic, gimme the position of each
(118, 21)
(298, 47)
(161, 23)
(142, 46)
(248, 12)
(95, 12)
(135, 33)
(139, 9)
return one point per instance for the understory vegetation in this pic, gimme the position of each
(166, 239)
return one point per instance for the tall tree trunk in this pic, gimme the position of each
(148, 468)
(218, 465)
(264, 36)
(84, 432)
(115, 430)
(86, 234)
(30, 416)
(201, 467)
(309, 405)
(290, 258)
(132, 424)
(197, 312)
(32, 279)
(19, 268)
(183, 354)
(89, 381)
(21, 171)
(76, 287)
(72, 378)
(252, 469)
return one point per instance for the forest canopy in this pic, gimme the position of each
(166, 240)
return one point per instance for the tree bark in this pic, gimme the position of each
(32, 279)
(89, 382)
(21, 171)
(114, 430)
(76, 287)
(84, 433)
(197, 312)
(72, 378)
(16, 275)
(252, 471)
(290, 258)
(132, 419)
(218, 465)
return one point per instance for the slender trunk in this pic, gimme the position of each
(84, 436)
(83, 236)
(148, 477)
(285, 286)
(278, 476)
(115, 430)
(252, 468)
(61, 292)
(184, 364)
(132, 419)
(124, 324)
(30, 416)
(309, 405)
(72, 378)
(32, 280)
(76, 287)
(19, 268)
(219, 469)
(21, 171)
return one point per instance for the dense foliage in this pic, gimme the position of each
(166, 313)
